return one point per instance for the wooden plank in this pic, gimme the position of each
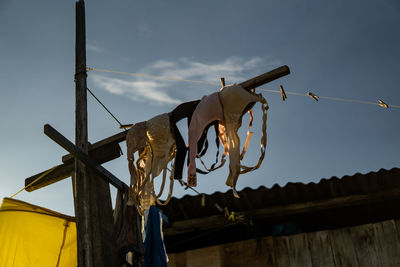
(60, 172)
(388, 245)
(67, 145)
(254, 252)
(218, 221)
(270, 252)
(365, 242)
(281, 252)
(180, 259)
(298, 250)
(102, 223)
(265, 78)
(209, 256)
(320, 249)
(101, 146)
(331, 203)
(342, 247)
(397, 223)
(234, 254)
(171, 260)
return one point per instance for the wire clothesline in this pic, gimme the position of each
(309, 94)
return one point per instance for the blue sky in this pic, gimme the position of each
(348, 49)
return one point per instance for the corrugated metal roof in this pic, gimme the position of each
(189, 207)
(294, 208)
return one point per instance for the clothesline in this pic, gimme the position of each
(309, 94)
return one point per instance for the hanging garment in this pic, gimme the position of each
(236, 101)
(208, 110)
(228, 107)
(156, 145)
(155, 250)
(135, 141)
(35, 236)
(127, 231)
(185, 110)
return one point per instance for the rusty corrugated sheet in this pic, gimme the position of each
(380, 209)
(188, 207)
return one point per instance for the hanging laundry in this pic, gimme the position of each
(208, 110)
(156, 145)
(154, 242)
(135, 141)
(185, 110)
(127, 231)
(35, 236)
(227, 107)
(235, 101)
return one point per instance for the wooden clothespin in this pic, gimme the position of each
(223, 81)
(315, 97)
(383, 104)
(125, 126)
(226, 212)
(203, 200)
(283, 94)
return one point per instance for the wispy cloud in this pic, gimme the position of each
(136, 90)
(94, 46)
(157, 91)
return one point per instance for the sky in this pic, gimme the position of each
(344, 49)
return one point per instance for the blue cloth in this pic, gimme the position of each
(155, 253)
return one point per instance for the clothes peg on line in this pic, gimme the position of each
(315, 97)
(222, 81)
(383, 104)
(232, 216)
(203, 200)
(283, 94)
(125, 126)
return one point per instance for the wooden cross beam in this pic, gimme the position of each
(108, 149)
(71, 148)
(102, 151)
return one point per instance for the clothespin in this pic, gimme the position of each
(125, 126)
(203, 200)
(315, 97)
(383, 104)
(219, 208)
(232, 216)
(226, 212)
(223, 81)
(283, 94)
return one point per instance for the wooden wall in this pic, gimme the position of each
(366, 245)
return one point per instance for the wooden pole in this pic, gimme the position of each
(80, 178)
(93, 211)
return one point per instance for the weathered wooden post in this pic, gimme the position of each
(92, 199)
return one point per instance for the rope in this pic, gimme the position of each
(330, 98)
(112, 115)
(262, 89)
(34, 181)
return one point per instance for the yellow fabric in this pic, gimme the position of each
(35, 236)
